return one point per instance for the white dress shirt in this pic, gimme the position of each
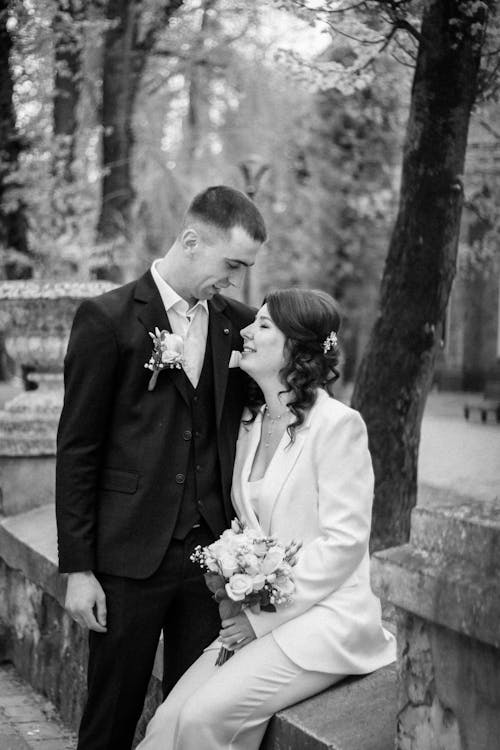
(189, 322)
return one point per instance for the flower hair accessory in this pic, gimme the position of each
(168, 351)
(331, 342)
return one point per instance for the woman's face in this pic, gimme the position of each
(264, 346)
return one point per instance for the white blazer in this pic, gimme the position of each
(319, 490)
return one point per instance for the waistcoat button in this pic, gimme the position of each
(187, 435)
(179, 478)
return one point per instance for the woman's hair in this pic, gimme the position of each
(307, 318)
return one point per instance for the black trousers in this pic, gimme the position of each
(175, 599)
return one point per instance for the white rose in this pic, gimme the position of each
(250, 563)
(258, 582)
(212, 565)
(172, 343)
(239, 586)
(285, 569)
(217, 549)
(260, 548)
(272, 560)
(228, 565)
(285, 585)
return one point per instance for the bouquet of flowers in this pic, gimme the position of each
(244, 569)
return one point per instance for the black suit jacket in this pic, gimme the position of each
(121, 447)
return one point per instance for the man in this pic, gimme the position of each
(145, 459)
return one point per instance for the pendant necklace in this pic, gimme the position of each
(272, 422)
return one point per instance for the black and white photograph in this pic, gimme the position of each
(249, 374)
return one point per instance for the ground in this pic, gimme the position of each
(27, 720)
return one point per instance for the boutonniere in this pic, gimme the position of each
(168, 351)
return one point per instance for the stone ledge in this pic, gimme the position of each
(357, 714)
(28, 543)
(465, 531)
(441, 589)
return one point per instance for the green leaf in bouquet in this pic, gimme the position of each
(214, 581)
(268, 607)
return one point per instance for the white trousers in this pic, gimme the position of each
(229, 707)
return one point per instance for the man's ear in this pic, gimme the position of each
(190, 239)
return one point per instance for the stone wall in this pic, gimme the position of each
(48, 648)
(446, 590)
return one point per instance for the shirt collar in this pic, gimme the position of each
(169, 296)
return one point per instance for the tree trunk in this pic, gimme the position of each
(68, 46)
(198, 93)
(396, 372)
(126, 50)
(17, 263)
(68, 42)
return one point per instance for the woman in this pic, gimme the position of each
(302, 471)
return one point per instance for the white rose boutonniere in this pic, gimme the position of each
(168, 352)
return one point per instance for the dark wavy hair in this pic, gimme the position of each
(306, 317)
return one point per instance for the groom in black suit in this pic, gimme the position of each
(144, 473)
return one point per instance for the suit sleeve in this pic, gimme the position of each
(90, 368)
(344, 476)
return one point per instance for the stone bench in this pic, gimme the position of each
(483, 407)
(50, 651)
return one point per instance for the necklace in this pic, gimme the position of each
(273, 421)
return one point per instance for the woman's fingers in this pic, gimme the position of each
(240, 644)
(230, 631)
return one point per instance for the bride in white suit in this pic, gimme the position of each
(302, 471)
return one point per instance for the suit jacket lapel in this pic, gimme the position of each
(152, 314)
(221, 330)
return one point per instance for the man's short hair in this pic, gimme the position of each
(224, 207)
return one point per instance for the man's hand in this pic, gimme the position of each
(86, 601)
(236, 632)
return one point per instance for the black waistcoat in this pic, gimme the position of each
(202, 495)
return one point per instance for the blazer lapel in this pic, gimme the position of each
(245, 452)
(152, 314)
(221, 330)
(278, 472)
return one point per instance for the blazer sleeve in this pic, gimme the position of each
(342, 472)
(90, 368)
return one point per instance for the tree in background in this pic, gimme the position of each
(396, 372)
(66, 183)
(446, 40)
(354, 149)
(133, 27)
(16, 260)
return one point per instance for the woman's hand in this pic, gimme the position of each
(236, 632)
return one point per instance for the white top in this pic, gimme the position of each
(189, 322)
(253, 488)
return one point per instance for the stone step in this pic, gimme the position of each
(462, 531)
(357, 714)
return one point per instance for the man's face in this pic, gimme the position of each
(217, 259)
